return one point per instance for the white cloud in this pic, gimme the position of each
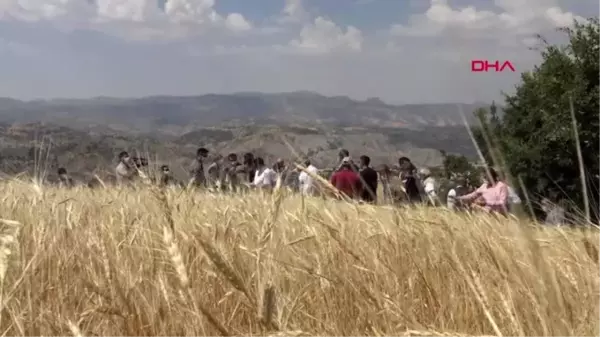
(191, 11)
(447, 37)
(127, 10)
(237, 23)
(294, 12)
(518, 18)
(323, 36)
(35, 10)
(136, 18)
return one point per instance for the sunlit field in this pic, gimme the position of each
(152, 262)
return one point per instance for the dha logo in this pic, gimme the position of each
(485, 66)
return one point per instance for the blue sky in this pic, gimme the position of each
(404, 51)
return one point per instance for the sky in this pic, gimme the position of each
(402, 51)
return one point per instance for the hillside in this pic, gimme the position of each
(83, 152)
(177, 115)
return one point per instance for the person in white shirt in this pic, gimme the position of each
(555, 213)
(429, 185)
(126, 170)
(264, 176)
(513, 199)
(306, 180)
(455, 192)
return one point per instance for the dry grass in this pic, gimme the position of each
(147, 262)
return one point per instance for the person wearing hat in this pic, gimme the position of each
(346, 180)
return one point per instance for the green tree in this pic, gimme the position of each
(459, 165)
(535, 139)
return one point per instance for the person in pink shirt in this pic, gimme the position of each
(493, 194)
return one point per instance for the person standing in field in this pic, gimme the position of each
(264, 177)
(454, 193)
(280, 169)
(346, 180)
(125, 171)
(369, 179)
(166, 178)
(493, 194)
(63, 178)
(249, 166)
(429, 186)
(229, 178)
(198, 178)
(410, 184)
(385, 175)
(213, 172)
(555, 213)
(345, 154)
(513, 199)
(306, 180)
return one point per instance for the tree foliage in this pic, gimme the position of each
(459, 165)
(534, 140)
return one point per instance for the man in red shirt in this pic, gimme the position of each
(346, 180)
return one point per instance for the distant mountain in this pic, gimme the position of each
(25, 147)
(85, 135)
(177, 115)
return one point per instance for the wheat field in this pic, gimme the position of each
(168, 262)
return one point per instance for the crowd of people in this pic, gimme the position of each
(355, 181)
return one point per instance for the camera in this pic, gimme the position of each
(140, 161)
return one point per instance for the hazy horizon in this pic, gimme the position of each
(84, 98)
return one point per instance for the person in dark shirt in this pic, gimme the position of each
(166, 178)
(369, 180)
(408, 176)
(64, 179)
(280, 168)
(343, 154)
(197, 169)
(229, 174)
(249, 166)
(346, 180)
